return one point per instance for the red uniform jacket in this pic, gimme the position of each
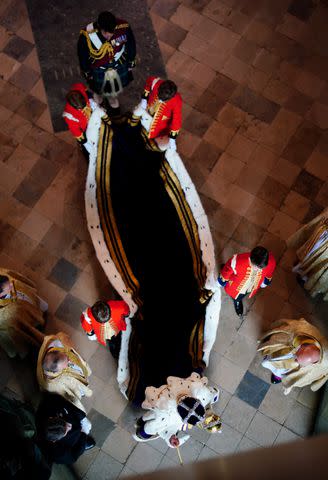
(237, 270)
(166, 115)
(77, 120)
(103, 331)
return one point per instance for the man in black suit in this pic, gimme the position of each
(63, 430)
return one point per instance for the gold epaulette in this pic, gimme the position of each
(122, 25)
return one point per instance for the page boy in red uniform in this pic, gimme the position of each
(245, 273)
(104, 321)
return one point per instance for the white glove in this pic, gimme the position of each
(172, 144)
(92, 337)
(263, 285)
(86, 425)
(88, 146)
(140, 108)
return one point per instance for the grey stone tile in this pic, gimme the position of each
(276, 405)
(207, 453)
(28, 191)
(82, 465)
(104, 466)
(300, 420)
(24, 78)
(226, 441)
(166, 463)
(238, 414)
(308, 398)
(64, 274)
(70, 310)
(246, 444)
(286, 435)
(18, 48)
(144, 458)
(255, 104)
(252, 389)
(189, 451)
(119, 444)
(129, 416)
(263, 430)
(44, 171)
(160, 445)
(103, 364)
(225, 373)
(126, 472)
(101, 426)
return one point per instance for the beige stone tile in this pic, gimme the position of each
(281, 129)
(228, 167)
(277, 91)
(232, 117)
(309, 84)
(45, 122)
(216, 188)
(288, 73)
(185, 17)
(21, 246)
(158, 22)
(300, 420)
(22, 160)
(253, 129)
(226, 373)
(236, 69)
(295, 205)
(246, 444)
(35, 225)
(259, 33)
(256, 80)
(15, 213)
(274, 244)
(26, 32)
(285, 436)
(4, 37)
(263, 430)
(259, 212)
(86, 288)
(318, 114)
(217, 11)
(32, 61)
(292, 27)
(238, 200)
(251, 179)
(283, 283)
(119, 444)
(9, 180)
(219, 135)
(8, 66)
(276, 405)
(51, 205)
(226, 442)
(317, 164)
(17, 127)
(38, 91)
(241, 147)
(187, 143)
(301, 302)
(322, 197)
(283, 225)
(225, 221)
(266, 61)
(267, 307)
(241, 351)
(205, 29)
(284, 171)
(262, 159)
(4, 114)
(238, 414)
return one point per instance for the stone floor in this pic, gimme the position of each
(253, 75)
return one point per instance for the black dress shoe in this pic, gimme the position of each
(90, 443)
(239, 307)
(275, 379)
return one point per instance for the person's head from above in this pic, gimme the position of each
(101, 311)
(76, 99)
(167, 90)
(5, 285)
(54, 361)
(56, 428)
(307, 354)
(259, 257)
(106, 23)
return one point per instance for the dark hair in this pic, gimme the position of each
(106, 21)
(260, 256)
(76, 99)
(3, 280)
(101, 311)
(55, 429)
(191, 410)
(167, 90)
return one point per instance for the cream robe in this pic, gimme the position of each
(20, 320)
(285, 337)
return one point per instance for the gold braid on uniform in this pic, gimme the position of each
(105, 49)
